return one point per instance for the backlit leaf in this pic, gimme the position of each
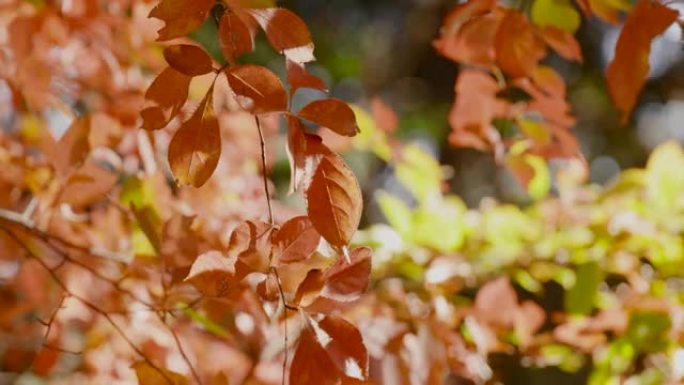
(187, 59)
(298, 77)
(169, 92)
(305, 370)
(305, 152)
(627, 71)
(235, 37)
(347, 281)
(334, 201)
(286, 32)
(559, 14)
(211, 273)
(181, 16)
(258, 89)
(563, 42)
(195, 149)
(345, 348)
(296, 240)
(518, 49)
(473, 42)
(333, 114)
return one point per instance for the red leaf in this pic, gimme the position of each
(235, 37)
(345, 281)
(310, 288)
(187, 59)
(627, 71)
(345, 347)
(195, 149)
(181, 16)
(258, 89)
(296, 240)
(298, 78)
(518, 49)
(211, 273)
(169, 91)
(305, 152)
(287, 33)
(311, 365)
(563, 42)
(334, 201)
(333, 114)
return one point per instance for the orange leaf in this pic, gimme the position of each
(235, 37)
(563, 42)
(345, 347)
(627, 71)
(305, 152)
(473, 43)
(258, 89)
(148, 375)
(211, 273)
(296, 240)
(187, 59)
(518, 49)
(169, 91)
(311, 365)
(298, 78)
(334, 201)
(195, 149)
(87, 185)
(310, 288)
(181, 16)
(333, 114)
(72, 148)
(496, 302)
(287, 33)
(345, 281)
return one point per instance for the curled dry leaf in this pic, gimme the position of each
(333, 114)
(298, 77)
(211, 273)
(627, 71)
(235, 37)
(286, 32)
(187, 59)
(334, 201)
(169, 92)
(258, 89)
(518, 49)
(181, 16)
(195, 149)
(345, 281)
(305, 152)
(296, 240)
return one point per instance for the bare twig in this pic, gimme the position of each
(286, 307)
(263, 169)
(185, 356)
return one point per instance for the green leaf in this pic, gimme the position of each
(560, 14)
(580, 298)
(664, 177)
(398, 214)
(420, 173)
(647, 331)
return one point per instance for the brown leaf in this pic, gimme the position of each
(345, 281)
(518, 49)
(195, 149)
(333, 114)
(305, 152)
(181, 16)
(169, 92)
(211, 273)
(148, 375)
(258, 89)
(473, 42)
(296, 240)
(298, 77)
(627, 71)
(311, 365)
(251, 244)
(286, 32)
(310, 288)
(563, 42)
(496, 302)
(334, 201)
(187, 59)
(87, 185)
(72, 148)
(235, 37)
(345, 347)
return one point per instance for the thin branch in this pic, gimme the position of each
(185, 356)
(286, 307)
(87, 303)
(263, 169)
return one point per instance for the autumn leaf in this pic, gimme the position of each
(150, 375)
(72, 148)
(563, 42)
(286, 32)
(187, 59)
(296, 240)
(305, 152)
(345, 347)
(88, 184)
(195, 149)
(333, 114)
(298, 77)
(169, 92)
(473, 43)
(334, 201)
(258, 89)
(518, 49)
(181, 16)
(211, 273)
(235, 37)
(347, 281)
(626, 73)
